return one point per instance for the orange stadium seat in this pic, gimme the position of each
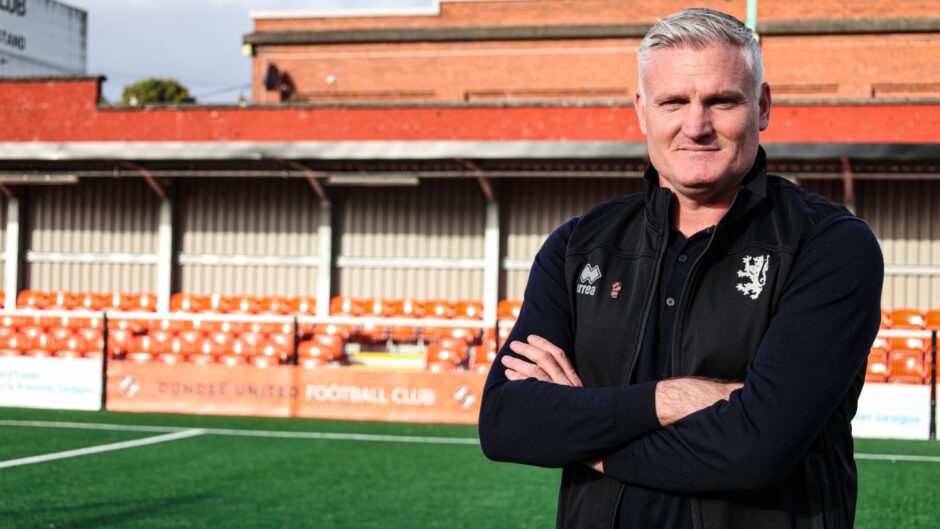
(885, 319)
(180, 346)
(375, 308)
(180, 302)
(114, 301)
(932, 319)
(406, 308)
(899, 343)
(284, 340)
(877, 370)
(14, 345)
(216, 303)
(906, 367)
(146, 344)
(508, 309)
(132, 325)
(14, 322)
(273, 350)
(273, 305)
(881, 342)
(244, 305)
(31, 332)
(438, 308)
(60, 300)
(143, 302)
(88, 301)
(907, 319)
(31, 299)
(468, 310)
(346, 306)
(93, 337)
(312, 353)
(303, 305)
(119, 342)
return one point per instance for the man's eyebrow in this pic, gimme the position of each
(727, 94)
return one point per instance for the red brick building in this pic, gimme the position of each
(577, 50)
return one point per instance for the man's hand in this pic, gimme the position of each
(548, 363)
(679, 397)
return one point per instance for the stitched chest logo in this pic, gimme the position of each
(755, 271)
(589, 275)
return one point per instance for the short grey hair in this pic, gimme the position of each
(698, 28)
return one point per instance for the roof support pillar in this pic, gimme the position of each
(165, 256)
(11, 272)
(491, 263)
(848, 185)
(325, 258)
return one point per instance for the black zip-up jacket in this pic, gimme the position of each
(785, 297)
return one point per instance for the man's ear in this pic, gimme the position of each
(640, 111)
(764, 104)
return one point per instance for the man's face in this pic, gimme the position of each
(701, 119)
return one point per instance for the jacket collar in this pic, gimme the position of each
(753, 190)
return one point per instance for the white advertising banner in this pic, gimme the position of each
(61, 383)
(48, 34)
(893, 411)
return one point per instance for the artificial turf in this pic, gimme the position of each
(264, 482)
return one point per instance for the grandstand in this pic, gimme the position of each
(336, 229)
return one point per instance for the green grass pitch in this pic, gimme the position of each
(264, 480)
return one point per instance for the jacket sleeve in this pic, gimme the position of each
(545, 424)
(814, 350)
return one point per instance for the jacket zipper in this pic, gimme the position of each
(642, 334)
(680, 317)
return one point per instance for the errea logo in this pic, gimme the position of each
(589, 276)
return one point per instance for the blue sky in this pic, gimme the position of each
(195, 42)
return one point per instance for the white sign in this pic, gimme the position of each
(42, 36)
(60, 383)
(893, 411)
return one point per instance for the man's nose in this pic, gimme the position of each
(697, 124)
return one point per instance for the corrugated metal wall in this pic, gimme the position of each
(256, 218)
(439, 219)
(532, 208)
(904, 216)
(97, 217)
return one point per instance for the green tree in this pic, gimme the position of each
(155, 90)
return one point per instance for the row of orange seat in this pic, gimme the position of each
(218, 303)
(898, 318)
(899, 367)
(904, 318)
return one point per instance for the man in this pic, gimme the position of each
(716, 270)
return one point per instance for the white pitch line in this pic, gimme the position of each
(102, 448)
(254, 433)
(891, 457)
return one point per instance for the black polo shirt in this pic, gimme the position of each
(640, 506)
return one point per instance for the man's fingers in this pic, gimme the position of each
(544, 360)
(559, 356)
(524, 369)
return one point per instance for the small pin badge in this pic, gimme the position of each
(615, 291)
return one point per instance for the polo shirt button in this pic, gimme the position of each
(683, 258)
(670, 302)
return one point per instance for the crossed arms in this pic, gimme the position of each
(687, 435)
